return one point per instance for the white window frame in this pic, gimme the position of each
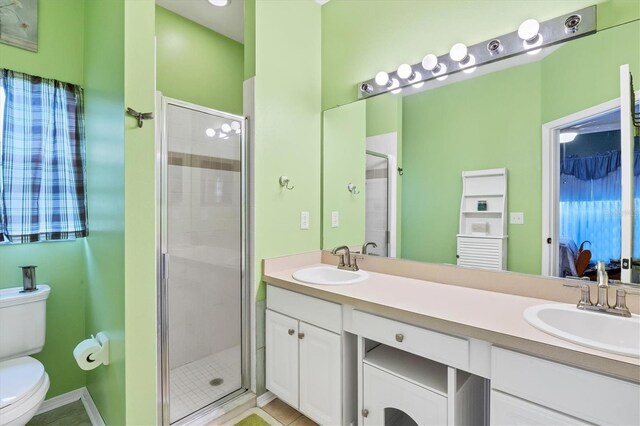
(551, 177)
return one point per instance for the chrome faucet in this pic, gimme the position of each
(366, 245)
(602, 304)
(346, 258)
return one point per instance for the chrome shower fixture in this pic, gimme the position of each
(531, 37)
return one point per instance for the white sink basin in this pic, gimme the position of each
(604, 332)
(329, 275)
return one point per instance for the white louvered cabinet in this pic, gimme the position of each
(482, 237)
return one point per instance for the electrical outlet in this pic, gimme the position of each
(304, 220)
(335, 219)
(516, 218)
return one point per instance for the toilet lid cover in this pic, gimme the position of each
(18, 378)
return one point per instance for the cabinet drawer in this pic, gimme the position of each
(590, 396)
(388, 397)
(508, 410)
(439, 347)
(308, 309)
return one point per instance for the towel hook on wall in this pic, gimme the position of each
(284, 182)
(140, 115)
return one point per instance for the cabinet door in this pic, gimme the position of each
(320, 375)
(512, 411)
(390, 400)
(282, 357)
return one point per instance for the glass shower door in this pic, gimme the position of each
(203, 248)
(377, 202)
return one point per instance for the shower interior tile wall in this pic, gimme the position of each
(204, 247)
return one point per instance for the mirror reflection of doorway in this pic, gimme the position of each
(377, 202)
(395, 417)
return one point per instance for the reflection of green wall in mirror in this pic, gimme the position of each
(344, 162)
(358, 41)
(495, 121)
(196, 64)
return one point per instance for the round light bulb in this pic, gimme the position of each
(210, 132)
(382, 78)
(226, 128)
(430, 62)
(405, 71)
(219, 3)
(458, 52)
(235, 125)
(529, 30)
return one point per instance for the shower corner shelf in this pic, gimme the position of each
(482, 236)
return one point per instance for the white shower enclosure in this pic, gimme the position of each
(202, 307)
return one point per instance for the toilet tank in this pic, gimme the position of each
(22, 321)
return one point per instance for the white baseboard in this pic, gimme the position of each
(265, 398)
(81, 394)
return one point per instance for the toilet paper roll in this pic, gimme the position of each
(86, 354)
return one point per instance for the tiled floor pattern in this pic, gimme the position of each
(72, 414)
(190, 387)
(287, 415)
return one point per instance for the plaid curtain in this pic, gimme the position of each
(42, 160)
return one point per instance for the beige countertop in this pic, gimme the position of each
(491, 316)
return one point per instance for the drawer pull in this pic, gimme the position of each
(300, 335)
(291, 331)
(365, 412)
(399, 337)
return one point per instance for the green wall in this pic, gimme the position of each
(140, 216)
(359, 40)
(495, 121)
(344, 162)
(196, 64)
(104, 247)
(287, 126)
(60, 264)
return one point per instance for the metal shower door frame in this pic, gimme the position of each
(163, 391)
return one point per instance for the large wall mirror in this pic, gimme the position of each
(414, 172)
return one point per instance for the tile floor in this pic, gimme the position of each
(286, 415)
(190, 387)
(72, 414)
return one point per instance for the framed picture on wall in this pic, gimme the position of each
(19, 23)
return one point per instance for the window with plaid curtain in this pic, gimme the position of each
(42, 159)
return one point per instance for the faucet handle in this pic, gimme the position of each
(621, 302)
(585, 296)
(354, 264)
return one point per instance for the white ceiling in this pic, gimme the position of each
(228, 20)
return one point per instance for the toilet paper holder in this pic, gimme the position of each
(102, 356)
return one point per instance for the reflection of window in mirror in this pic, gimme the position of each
(590, 191)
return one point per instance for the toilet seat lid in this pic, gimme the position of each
(19, 377)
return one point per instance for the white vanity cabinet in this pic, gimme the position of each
(304, 354)
(533, 391)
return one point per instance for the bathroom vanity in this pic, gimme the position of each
(394, 346)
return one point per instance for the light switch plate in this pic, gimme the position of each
(304, 220)
(335, 219)
(516, 218)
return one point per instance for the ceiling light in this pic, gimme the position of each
(406, 72)
(382, 79)
(566, 137)
(210, 132)
(219, 3)
(225, 128)
(528, 30)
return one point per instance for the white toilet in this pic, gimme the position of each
(23, 381)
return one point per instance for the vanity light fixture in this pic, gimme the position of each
(219, 3)
(210, 132)
(430, 63)
(460, 53)
(530, 37)
(566, 137)
(235, 125)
